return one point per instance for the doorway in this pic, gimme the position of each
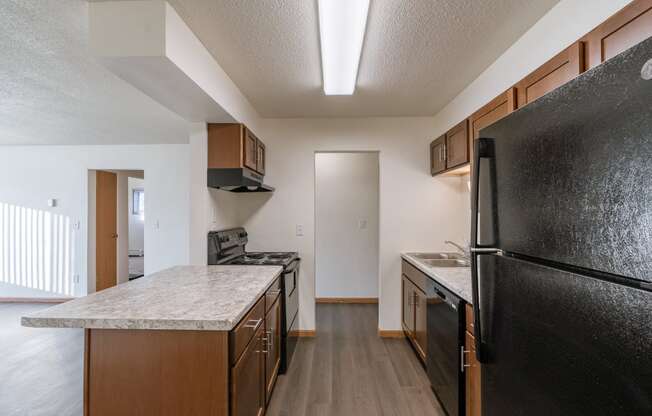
(346, 227)
(116, 215)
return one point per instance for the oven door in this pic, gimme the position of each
(291, 292)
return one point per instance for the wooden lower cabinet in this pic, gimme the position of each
(414, 316)
(407, 316)
(141, 372)
(248, 379)
(472, 369)
(273, 348)
(420, 327)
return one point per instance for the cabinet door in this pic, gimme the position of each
(420, 331)
(248, 379)
(438, 155)
(472, 378)
(457, 145)
(408, 306)
(250, 151)
(496, 109)
(273, 354)
(551, 75)
(631, 25)
(260, 158)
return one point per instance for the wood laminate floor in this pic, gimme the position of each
(345, 370)
(348, 370)
(41, 369)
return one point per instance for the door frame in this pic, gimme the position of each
(314, 242)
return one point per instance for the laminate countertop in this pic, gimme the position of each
(212, 298)
(455, 279)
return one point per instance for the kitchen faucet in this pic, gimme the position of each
(465, 252)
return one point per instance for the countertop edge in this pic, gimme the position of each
(32, 321)
(433, 275)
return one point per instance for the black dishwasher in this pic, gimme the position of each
(445, 321)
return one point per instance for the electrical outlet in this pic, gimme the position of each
(75, 278)
(362, 224)
(299, 230)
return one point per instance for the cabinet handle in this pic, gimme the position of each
(462, 365)
(270, 342)
(253, 324)
(445, 148)
(416, 299)
(263, 351)
(274, 292)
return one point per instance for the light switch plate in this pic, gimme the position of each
(299, 230)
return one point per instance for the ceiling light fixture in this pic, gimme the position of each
(342, 25)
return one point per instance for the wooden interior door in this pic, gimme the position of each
(408, 307)
(631, 25)
(420, 326)
(457, 145)
(553, 74)
(438, 155)
(273, 356)
(106, 226)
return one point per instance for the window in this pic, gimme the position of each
(138, 202)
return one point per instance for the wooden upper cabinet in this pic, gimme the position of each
(496, 109)
(457, 145)
(250, 150)
(235, 146)
(631, 25)
(438, 155)
(556, 72)
(260, 158)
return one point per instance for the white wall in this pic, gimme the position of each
(416, 211)
(346, 225)
(29, 175)
(136, 221)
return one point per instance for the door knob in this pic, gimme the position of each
(114, 236)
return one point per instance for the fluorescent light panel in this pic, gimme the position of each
(342, 25)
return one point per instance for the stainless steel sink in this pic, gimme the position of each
(437, 256)
(459, 262)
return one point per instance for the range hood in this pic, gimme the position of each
(237, 180)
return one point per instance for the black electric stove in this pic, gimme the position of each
(228, 247)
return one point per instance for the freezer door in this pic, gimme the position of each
(559, 343)
(573, 172)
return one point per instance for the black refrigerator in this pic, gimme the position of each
(562, 248)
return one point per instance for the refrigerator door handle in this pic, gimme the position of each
(483, 149)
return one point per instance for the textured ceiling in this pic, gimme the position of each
(53, 92)
(418, 54)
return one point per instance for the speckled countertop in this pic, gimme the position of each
(183, 297)
(455, 279)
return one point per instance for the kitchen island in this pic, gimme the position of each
(189, 340)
